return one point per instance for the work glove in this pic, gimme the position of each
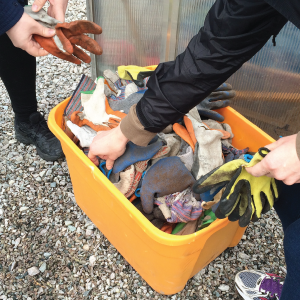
(185, 228)
(208, 149)
(96, 108)
(230, 153)
(222, 126)
(187, 158)
(172, 142)
(68, 35)
(217, 99)
(246, 197)
(136, 74)
(120, 89)
(167, 176)
(185, 135)
(180, 206)
(205, 143)
(134, 153)
(206, 219)
(124, 185)
(85, 134)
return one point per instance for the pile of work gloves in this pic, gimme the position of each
(189, 174)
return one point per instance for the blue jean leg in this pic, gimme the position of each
(288, 210)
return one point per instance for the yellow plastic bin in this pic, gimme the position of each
(165, 261)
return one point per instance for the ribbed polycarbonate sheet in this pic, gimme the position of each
(132, 32)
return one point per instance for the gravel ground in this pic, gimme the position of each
(51, 250)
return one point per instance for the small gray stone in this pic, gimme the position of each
(43, 267)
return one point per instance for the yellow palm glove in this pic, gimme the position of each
(246, 197)
(135, 73)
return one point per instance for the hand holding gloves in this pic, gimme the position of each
(246, 197)
(68, 35)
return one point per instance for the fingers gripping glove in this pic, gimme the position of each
(245, 196)
(68, 35)
(217, 99)
(167, 176)
(134, 153)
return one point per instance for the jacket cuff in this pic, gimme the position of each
(132, 128)
(298, 144)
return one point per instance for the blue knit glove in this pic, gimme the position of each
(134, 153)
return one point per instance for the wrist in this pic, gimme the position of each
(121, 137)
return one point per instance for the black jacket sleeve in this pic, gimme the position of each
(234, 30)
(10, 13)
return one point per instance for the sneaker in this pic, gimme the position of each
(256, 285)
(36, 132)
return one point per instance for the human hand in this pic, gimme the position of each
(108, 145)
(282, 163)
(56, 10)
(21, 35)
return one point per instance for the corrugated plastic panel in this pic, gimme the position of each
(132, 32)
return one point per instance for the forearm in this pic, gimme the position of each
(10, 13)
(229, 37)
